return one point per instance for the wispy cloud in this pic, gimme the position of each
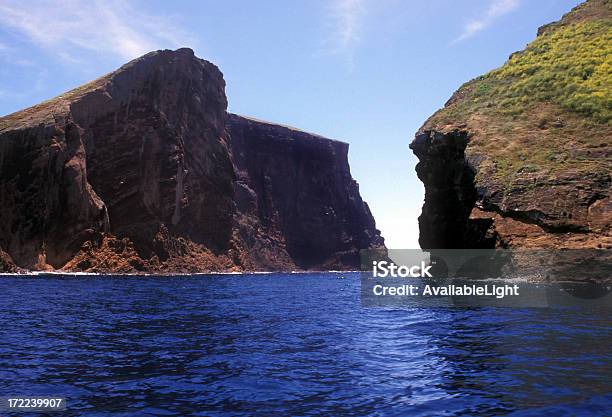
(69, 27)
(345, 23)
(495, 9)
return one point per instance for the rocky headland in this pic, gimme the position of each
(144, 170)
(521, 157)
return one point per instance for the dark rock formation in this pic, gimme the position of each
(508, 167)
(136, 171)
(450, 195)
(295, 190)
(465, 210)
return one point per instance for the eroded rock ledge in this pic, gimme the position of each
(466, 207)
(144, 170)
(450, 195)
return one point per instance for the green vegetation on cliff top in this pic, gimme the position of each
(549, 106)
(570, 67)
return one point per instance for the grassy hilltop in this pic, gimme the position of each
(548, 109)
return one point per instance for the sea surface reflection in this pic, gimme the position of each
(291, 344)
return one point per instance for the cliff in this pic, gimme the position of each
(521, 156)
(144, 170)
(295, 193)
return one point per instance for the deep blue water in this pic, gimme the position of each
(291, 345)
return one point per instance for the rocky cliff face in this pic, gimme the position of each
(521, 156)
(295, 191)
(136, 171)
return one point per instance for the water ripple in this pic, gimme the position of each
(290, 345)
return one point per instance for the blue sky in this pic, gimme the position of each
(368, 72)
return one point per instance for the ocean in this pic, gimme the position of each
(291, 345)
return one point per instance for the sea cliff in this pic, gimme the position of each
(144, 170)
(521, 156)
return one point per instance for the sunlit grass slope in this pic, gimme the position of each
(548, 109)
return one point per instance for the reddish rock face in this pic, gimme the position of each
(47, 206)
(156, 154)
(295, 190)
(136, 171)
(461, 211)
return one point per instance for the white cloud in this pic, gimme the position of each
(345, 22)
(69, 27)
(496, 9)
